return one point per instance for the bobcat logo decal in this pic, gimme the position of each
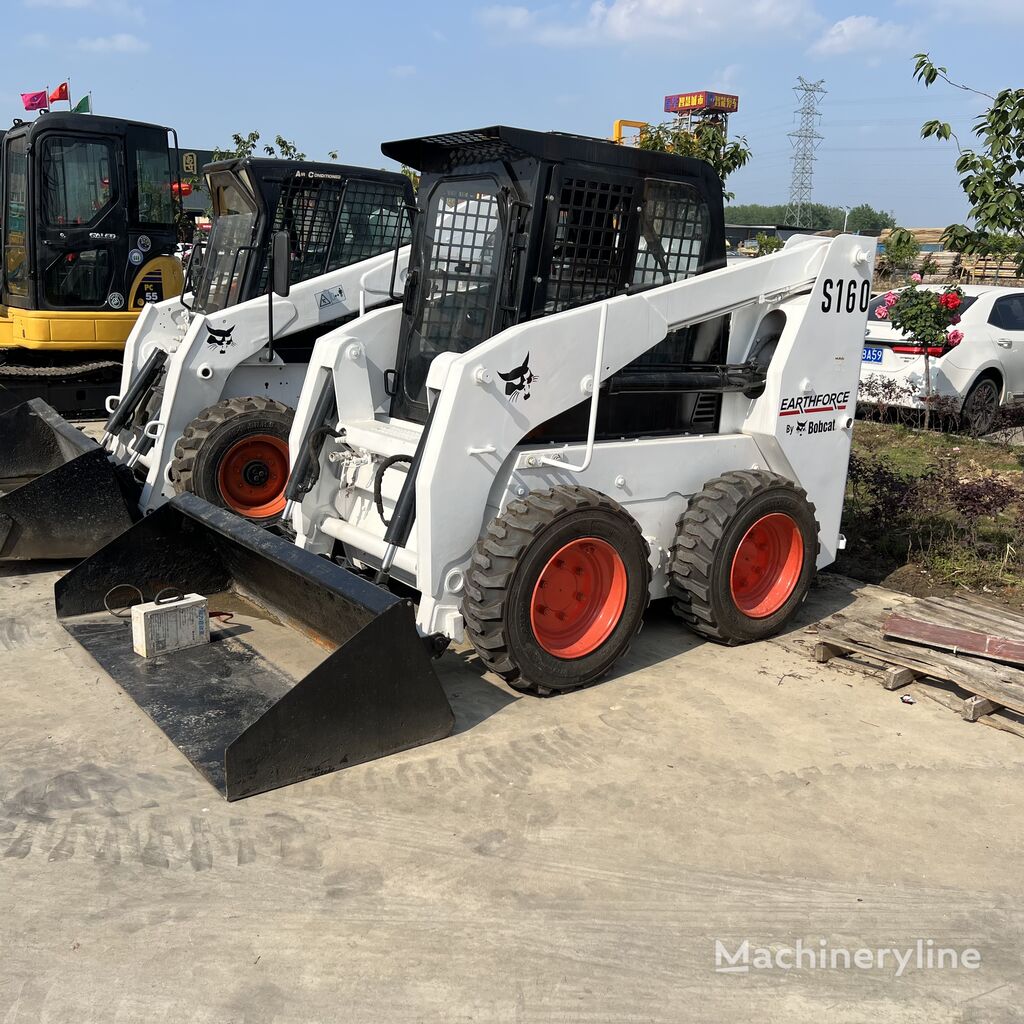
(219, 339)
(519, 380)
(801, 426)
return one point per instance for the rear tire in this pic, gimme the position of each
(557, 589)
(744, 556)
(235, 455)
(980, 408)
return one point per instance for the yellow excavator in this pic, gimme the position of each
(89, 210)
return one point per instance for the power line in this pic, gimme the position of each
(806, 140)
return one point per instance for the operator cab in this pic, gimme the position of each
(87, 201)
(334, 215)
(515, 225)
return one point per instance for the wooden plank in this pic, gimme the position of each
(975, 707)
(1002, 684)
(968, 611)
(823, 652)
(947, 698)
(958, 639)
(894, 678)
(1005, 723)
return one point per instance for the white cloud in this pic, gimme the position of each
(859, 32)
(514, 19)
(725, 78)
(120, 42)
(403, 70)
(126, 10)
(618, 21)
(36, 40)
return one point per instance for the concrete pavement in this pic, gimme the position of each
(571, 859)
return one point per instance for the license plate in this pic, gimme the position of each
(872, 354)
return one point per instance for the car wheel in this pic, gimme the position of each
(980, 408)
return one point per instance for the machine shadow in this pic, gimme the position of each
(35, 568)
(475, 695)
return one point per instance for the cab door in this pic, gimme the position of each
(81, 225)
(455, 289)
(17, 277)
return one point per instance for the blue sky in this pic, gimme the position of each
(349, 75)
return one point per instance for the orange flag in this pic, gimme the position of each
(60, 93)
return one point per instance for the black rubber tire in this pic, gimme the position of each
(707, 535)
(506, 564)
(206, 440)
(981, 408)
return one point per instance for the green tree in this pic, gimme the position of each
(823, 218)
(245, 145)
(865, 218)
(707, 143)
(412, 176)
(991, 176)
(901, 251)
(768, 243)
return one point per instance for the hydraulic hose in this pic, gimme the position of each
(378, 481)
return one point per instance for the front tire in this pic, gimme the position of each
(235, 455)
(744, 557)
(557, 589)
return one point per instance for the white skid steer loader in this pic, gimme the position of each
(210, 379)
(577, 409)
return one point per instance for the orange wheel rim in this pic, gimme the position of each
(252, 476)
(767, 564)
(578, 598)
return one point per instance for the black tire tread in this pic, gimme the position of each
(198, 432)
(495, 559)
(698, 531)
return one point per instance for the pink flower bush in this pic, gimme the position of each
(954, 338)
(891, 299)
(882, 313)
(916, 278)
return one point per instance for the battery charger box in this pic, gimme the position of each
(160, 628)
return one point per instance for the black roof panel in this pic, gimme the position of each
(266, 166)
(64, 119)
(438, 153)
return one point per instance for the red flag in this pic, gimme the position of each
(34, 100)
(60, 93)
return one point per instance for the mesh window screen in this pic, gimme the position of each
(673, 229)
(462, 270)
(587, 261)
(333, 225)
(373, 220)
(460, 280)
(308, 211)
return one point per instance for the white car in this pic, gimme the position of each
(982, 373)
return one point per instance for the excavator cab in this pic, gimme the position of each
(89, 207)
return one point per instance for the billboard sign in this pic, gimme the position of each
(702, 102)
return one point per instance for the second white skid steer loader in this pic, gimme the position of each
(211, 379)
(577, 409)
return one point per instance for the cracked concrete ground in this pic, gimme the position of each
(571, 859)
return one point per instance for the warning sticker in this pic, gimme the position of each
(330, 297)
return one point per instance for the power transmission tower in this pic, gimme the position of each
(806, 140)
